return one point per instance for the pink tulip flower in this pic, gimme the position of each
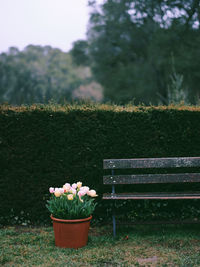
(51, 190)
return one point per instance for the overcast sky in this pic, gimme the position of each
(42, 22)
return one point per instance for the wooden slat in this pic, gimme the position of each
(152, 178)
(186, 221)
(157, 195)
(151, 163)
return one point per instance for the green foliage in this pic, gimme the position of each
(80, 52)
(176, 91)
(46, 145)
(39, 75)
(62, 208)
(130, 45)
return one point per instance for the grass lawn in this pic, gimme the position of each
(141, 245)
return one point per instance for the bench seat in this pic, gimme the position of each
(153, 195)
(177, 176)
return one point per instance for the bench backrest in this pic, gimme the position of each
(145, 163)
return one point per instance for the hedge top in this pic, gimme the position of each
(95, 106)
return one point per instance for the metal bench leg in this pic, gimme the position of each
(114, 221)
(114, 226)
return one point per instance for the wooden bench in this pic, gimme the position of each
(150, 163)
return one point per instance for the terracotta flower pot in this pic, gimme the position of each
(71, 233)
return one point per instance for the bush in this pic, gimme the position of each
(42, 146)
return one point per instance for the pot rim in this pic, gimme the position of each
(71, 221)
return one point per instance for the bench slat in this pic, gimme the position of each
(152, 178)
(151, 163)
(157, 195)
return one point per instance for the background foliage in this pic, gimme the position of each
(139, 51)
(143, 50)
(49, 145)
(42, 74)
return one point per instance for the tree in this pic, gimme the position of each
(130, 43)
(39, 74)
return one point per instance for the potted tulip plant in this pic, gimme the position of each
(71, 209)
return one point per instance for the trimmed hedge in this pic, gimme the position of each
(43, 146)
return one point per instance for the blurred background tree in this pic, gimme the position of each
(129, 47)
(141, 51)
(42, 74)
